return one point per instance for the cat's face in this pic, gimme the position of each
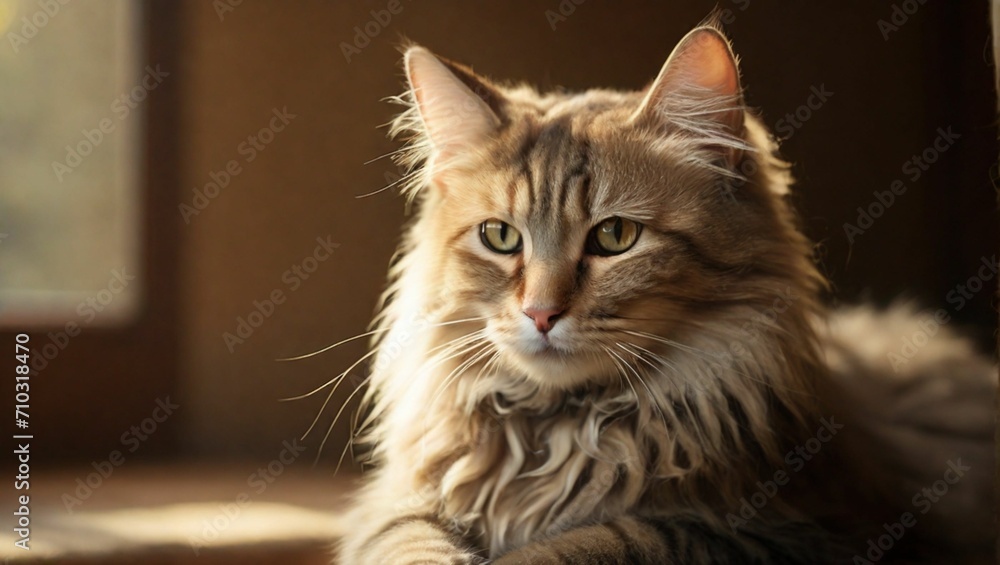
(583, 228)
(585, 234)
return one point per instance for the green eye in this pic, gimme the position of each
(613, 236)
(500, 237)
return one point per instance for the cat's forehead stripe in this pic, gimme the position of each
(579, 169)
(555, 169)
(546, 157)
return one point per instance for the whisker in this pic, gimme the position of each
(667, 363)
(337, 417)
(461, 368)
(712, 359)
(473, 398)
(471, 336)
(653, 398)
(331, 381)
(641, 357)
(337, 381)
(326, 402)
(488, 365)
(451, 349)
(343, 453)
(670, 342)
(373, 332)
(338, 344)
(618, 367)
(401, 179)
(384, 155)
(627, 379)
(682, 398)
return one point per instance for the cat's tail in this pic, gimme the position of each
(918, 406)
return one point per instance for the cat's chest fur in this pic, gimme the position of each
(518, 471)
(526, 475)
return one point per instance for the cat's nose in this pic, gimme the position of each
(544, 318)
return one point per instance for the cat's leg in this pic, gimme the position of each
(676, 540)
(394, 525)
(407, 540)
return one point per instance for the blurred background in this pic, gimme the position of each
(180, 203)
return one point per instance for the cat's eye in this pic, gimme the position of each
(613, 236)
(500, 237)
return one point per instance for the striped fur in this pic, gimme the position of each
(680, 374)
(674, 540)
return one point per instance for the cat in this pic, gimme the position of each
(603, 342)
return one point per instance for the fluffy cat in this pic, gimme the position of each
(602, 342)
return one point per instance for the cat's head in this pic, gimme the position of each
(604, 230)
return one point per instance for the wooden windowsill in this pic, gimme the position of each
(179, 514)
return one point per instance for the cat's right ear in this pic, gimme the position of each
(457, 109)
(698, 89)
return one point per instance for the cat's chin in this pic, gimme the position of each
(554, 368)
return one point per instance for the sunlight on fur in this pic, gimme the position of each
(603, 330)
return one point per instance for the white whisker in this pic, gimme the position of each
(373, 332)
(461, 368)
(338, 380)
(337, 417)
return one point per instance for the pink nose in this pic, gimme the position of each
(544, 318)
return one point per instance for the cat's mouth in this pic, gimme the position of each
(544, 345)
(559, 358)
(549, 351)
(549, 362)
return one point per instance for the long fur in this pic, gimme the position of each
(469, 448)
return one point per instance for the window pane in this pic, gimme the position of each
(70, 117)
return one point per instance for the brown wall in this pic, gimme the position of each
(889, 98)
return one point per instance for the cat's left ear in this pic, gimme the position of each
(458, 110)
(699, 89)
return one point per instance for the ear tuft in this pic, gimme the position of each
(702, 65)
(699, 89)
(453, 116)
